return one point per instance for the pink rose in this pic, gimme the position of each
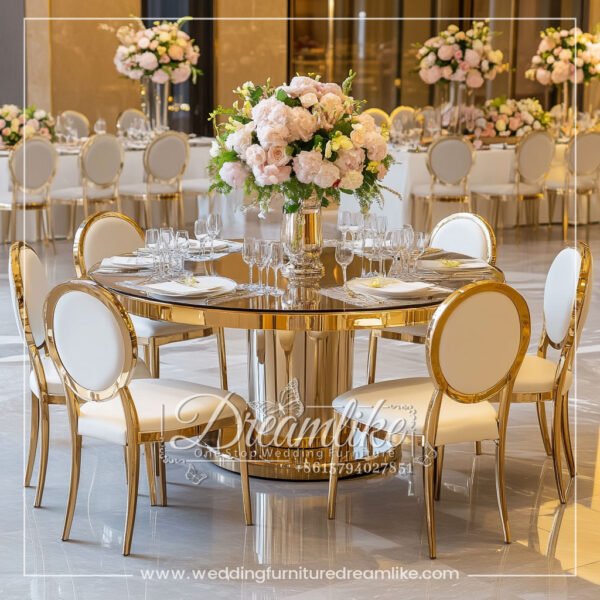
(543, 76)
(474, 79)
(143, 42)
(148, 61)
(160, 76)
(514, 123)
(328, 174)
(255, 156)
(331, 110)
(546, 45)
(464, 66)
(175, 52)
(277, 155)
(458, 55)
(446, 72)
(560, 72)
(301, 124)
(271, 174)
(234, 174)
(6, 131)
(376, 146)
(430, 75)
(446, 52)
(350, 160)
(472, 57)
(307, 165)
(164, 59)
(181, 73)
(309, 100)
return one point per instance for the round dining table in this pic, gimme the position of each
(300, 347)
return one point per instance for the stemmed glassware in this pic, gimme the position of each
(214, 224)
(263, 256)
(276, 264)
(356, 224)
(379, 242)
(201, 234)
(249, 257)
(394, 241)
(152, 243)
(344, 254)
(344, 222)
(100, 125)
(182, 242)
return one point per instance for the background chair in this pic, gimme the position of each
(165, 160)
(380, 116)
(475, 345)
(127, 118)
(533, 158)
(93, 345)
(567, 296)
(75, 120)
(582, 162)
(449, 161)
(32, 166)
(101, 164)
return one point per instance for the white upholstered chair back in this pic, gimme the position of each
(380, 117)
(166, 156)
(534, 156)
(126, 119)
(583, 154)
(102, 159)
(102, 235)
(90, 339)
(477, 340)
(466, 234)
(450, 159)
(33, 164)
(29, 288)
(403, 117)
(77, 120)
(569, 275)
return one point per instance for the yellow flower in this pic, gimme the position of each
(373, 166)
(341, 142)
(247, 108)
(164, 36)
(161, 50)
(328, 150)
(385, 131)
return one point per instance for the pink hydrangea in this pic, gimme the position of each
(543, 76)
(181, 73)
(446, 52)
(431, 75)
(327, 175)
(472, 58)
(271, 174)
(351, 180)
(278, 156)
(302, 124)
(299, 86)
(376, 146)
(330, 88)
(160, 76)
(241, 139)
(255, 156)
(474, 79)
(307, 165)
(350, 160)
(270, 134)
(148, 61)
(331, 109)
(234, 173)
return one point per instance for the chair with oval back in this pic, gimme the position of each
(100, 164)
(165, 160)
(449, 161)
(126, 119)
(533, 157)
(32, 165)
(581, 176)
(475, 345)
(77, 121)
(92, 342)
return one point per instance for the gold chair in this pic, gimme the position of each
(567, 297)
(92, 342)
(76, 120)
(127, 118)
(475, 345)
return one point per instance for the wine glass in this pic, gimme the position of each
(343, 222)
(182, 241)
(249, 257)
(200, 234)
(214, 224)
(394, 240)
(276, 264)
(263, 254)
(100, 125)
(344, 255)
(152, 245)
(356, 224)
(380, 229)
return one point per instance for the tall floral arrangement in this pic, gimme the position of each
(464, 56)
(162, 52)
(508, 117)
(16, 123)
(564, 55)
(300, 139)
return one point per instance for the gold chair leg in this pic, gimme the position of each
(45, 427)
(153, 358)
(161, 469)
(49, 224)
(428, 491)
(478, 448)
(372, 357)
(12, 226)
(543, 421)
(439, 466)
(73, 485)
(334, 468)
(551, 199)
(181, 211)
(501, 491)
(565, 216)
(244, 478)
(33, 438)
(133, 472)
(220, 333)
(556, 448)
(150, 473)
(566, 437)
(147, 213)
(72, 211)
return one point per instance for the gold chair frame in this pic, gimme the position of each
(380, 112)
(44, 207)
(134, 437)
(464, 198)
(162, 198)
(432, 470)
(561, 434)
(40, 407)
(140, 113)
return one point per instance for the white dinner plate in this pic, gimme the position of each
(204, 286)
(464, 264)
(389, 287)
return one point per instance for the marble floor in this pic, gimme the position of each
(380, 524)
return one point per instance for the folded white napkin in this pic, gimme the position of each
(469, 263)
(216, 245)
(200, 287)
(391, 288)
(131, 262)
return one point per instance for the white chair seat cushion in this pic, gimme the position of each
(425, 189)
(505, 189)
(196, 186)
(76, 193)
(6, 198)
(146, 328)
(161, 406)
(458, 422)
(54, 383)
(536, 375)
(584, 183)
(139, 189)
(416, 330)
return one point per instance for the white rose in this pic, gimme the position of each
(565, 54)
(215, 149)
(550, 59)
(537, 125)
(39, 114)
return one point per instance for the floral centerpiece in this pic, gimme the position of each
(564, 56)
(16, 124)
(462, 56)
(299, 140)
(163, 53)
(504, 117)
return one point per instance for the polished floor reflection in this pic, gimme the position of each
(380, 525)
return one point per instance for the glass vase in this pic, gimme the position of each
(453, 106)
(155, 104)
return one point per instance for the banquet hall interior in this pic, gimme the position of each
(297, 299)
